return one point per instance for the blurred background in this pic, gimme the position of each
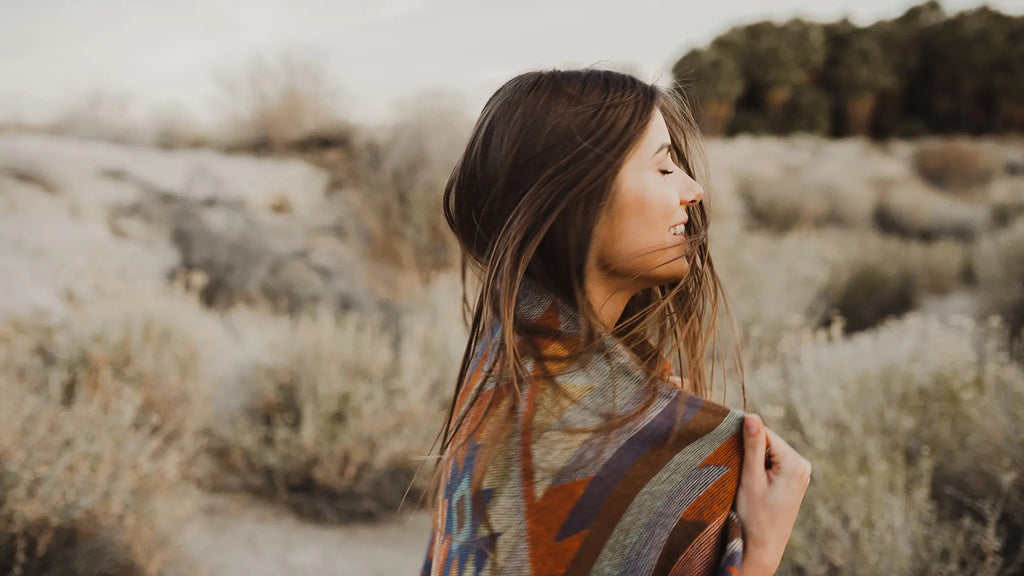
(230, 314)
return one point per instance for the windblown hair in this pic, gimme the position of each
(524, 198)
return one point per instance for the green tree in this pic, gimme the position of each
(809, 110)
(857, 71)
(922, 72)
(773, 60)
(1008, 70)
(959, 63)
(903, 108)
(714, 78)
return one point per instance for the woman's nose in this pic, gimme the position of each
(692, 194)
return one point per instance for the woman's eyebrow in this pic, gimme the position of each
(664, 146)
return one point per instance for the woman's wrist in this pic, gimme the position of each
(751, 565)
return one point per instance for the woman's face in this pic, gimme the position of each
(637, 233)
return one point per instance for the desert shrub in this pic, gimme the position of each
(335, 423)
(787, 203)
(401, 171)
(872, 276)
(956, 165)
(870, 291)
(111, 353)
(771, 281)
(913, 435)
(173, 128)
(82, 488)
(92, 453)
(997, 260)
(784, 204)
(273, 100)
(912, 210)
(1007, 200)
(776, 283)
(725, 206)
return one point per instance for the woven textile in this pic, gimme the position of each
(638, 500)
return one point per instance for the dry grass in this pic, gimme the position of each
(101, 433)
(1007, 200)
(895, 421)
(149, 358)
(998, 264)
(875, 276)
(913, 210)
(400, 173)
(274, 100)
(805, 277)
(912, 429)
(788, 203)
(959, 166)
(86, 489)
(97, 431)
(108, 420)
(339, 416)
(935, 188)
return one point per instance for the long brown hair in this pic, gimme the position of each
(524, 198)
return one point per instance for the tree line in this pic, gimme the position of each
(924, 72)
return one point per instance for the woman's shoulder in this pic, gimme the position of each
(699, 416)
(686, 389)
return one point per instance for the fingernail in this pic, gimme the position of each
(751, 426)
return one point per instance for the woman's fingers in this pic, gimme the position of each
(786, 461)
(767, 501)
(754, 443)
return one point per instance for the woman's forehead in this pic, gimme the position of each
(655, 136)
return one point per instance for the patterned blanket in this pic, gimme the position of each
(639, 500)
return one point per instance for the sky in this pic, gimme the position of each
(167, 55)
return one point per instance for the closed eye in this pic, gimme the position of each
(666, 172)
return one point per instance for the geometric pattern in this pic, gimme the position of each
(655, 496)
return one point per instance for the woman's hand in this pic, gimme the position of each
(768, 499)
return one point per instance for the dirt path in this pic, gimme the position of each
(236, 536)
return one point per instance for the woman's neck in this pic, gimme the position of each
(606, 296)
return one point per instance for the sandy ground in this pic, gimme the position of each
(237, 536)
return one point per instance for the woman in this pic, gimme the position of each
(571, 446)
